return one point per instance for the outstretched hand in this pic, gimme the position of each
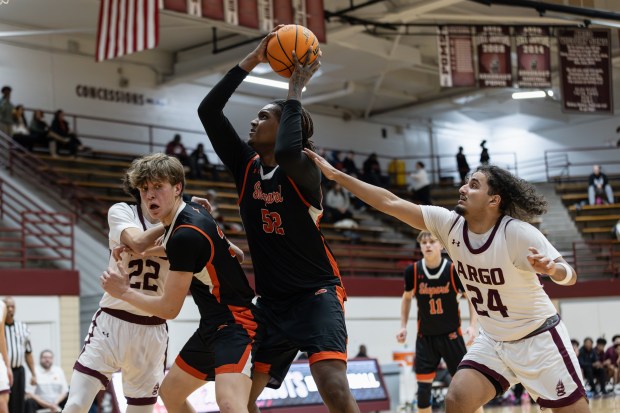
(115, 282)
(302, 73)
(541, 263)
(326, 168)
(203, 202)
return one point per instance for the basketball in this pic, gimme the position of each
(288, 38)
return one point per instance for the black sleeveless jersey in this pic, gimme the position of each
(289, 252)
(280, 206)
(436, 292)
(195, 243)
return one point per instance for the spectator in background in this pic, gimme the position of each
(51, 389)
(592, 367)
(6, 111)
(349, 166)
(421, 185)
(336, 161)
(337, 203)
(19, 129)
(484, 155)
(175, 148)
(40, 131)
(372, 171)
(199, 164)
(611, 362)
(599, 188)
(20, 351)
(61, 128)
(462, 165)
(575, 344)
(362, 352)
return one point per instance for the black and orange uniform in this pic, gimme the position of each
(229, 331)
(297, 278)
(439, 322)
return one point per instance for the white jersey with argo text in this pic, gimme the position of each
(146, 274)
(493, 268)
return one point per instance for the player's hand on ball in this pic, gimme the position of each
(115, 281)
(328, 170)
(260, 53)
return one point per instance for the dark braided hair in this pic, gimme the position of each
(519, 198)
(307, 126)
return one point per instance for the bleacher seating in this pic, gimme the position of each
(365, 250)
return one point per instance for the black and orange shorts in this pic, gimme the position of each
(312, 322)
(216, 348)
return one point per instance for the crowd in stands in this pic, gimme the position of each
(38, 132)
(600, 364)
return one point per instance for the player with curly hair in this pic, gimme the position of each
(497, 257)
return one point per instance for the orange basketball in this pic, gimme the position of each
(288, 38)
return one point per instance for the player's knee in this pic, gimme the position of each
(336, 394)
(456, 399)
(228, 404)
(424, 395)
(167, 393)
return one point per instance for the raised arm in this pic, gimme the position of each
(377, 197)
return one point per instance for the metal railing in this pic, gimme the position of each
(33, 234)
(596, 258)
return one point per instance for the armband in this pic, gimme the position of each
(569, 274)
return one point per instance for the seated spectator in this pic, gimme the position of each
(599, 190)
(175, 148)
(421, 185)
(51, 389)
(611, 361)
(42, 134)
(199, 164)
(61, 128)
(19, 128)
(337, 204)
(335, 161)
(372, 171)
(575, 344)
(592, 367)
(349, 166)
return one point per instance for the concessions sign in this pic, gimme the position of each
(585, 70)
(298, 392)
(493, 46)
(456, 63)
(533, 57)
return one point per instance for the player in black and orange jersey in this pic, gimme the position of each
(297, 278)
(203, 261)
(436, 288)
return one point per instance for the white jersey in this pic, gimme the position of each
(501, 284)
(145, 273)
(4, 375)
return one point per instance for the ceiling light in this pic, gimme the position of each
(268, 82)
(529, 95)
(550, 93)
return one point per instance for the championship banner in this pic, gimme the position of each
(265, 15)
(455, 50)
(315, 19)
(494, 66)
(533, 57)
(282, 12)
(585, 70)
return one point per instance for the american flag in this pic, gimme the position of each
(125, 27)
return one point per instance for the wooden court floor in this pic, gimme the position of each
(599, 405)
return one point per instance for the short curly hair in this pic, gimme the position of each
(156, 167)
(519, 198)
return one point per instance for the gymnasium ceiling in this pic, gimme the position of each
(369, 71)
